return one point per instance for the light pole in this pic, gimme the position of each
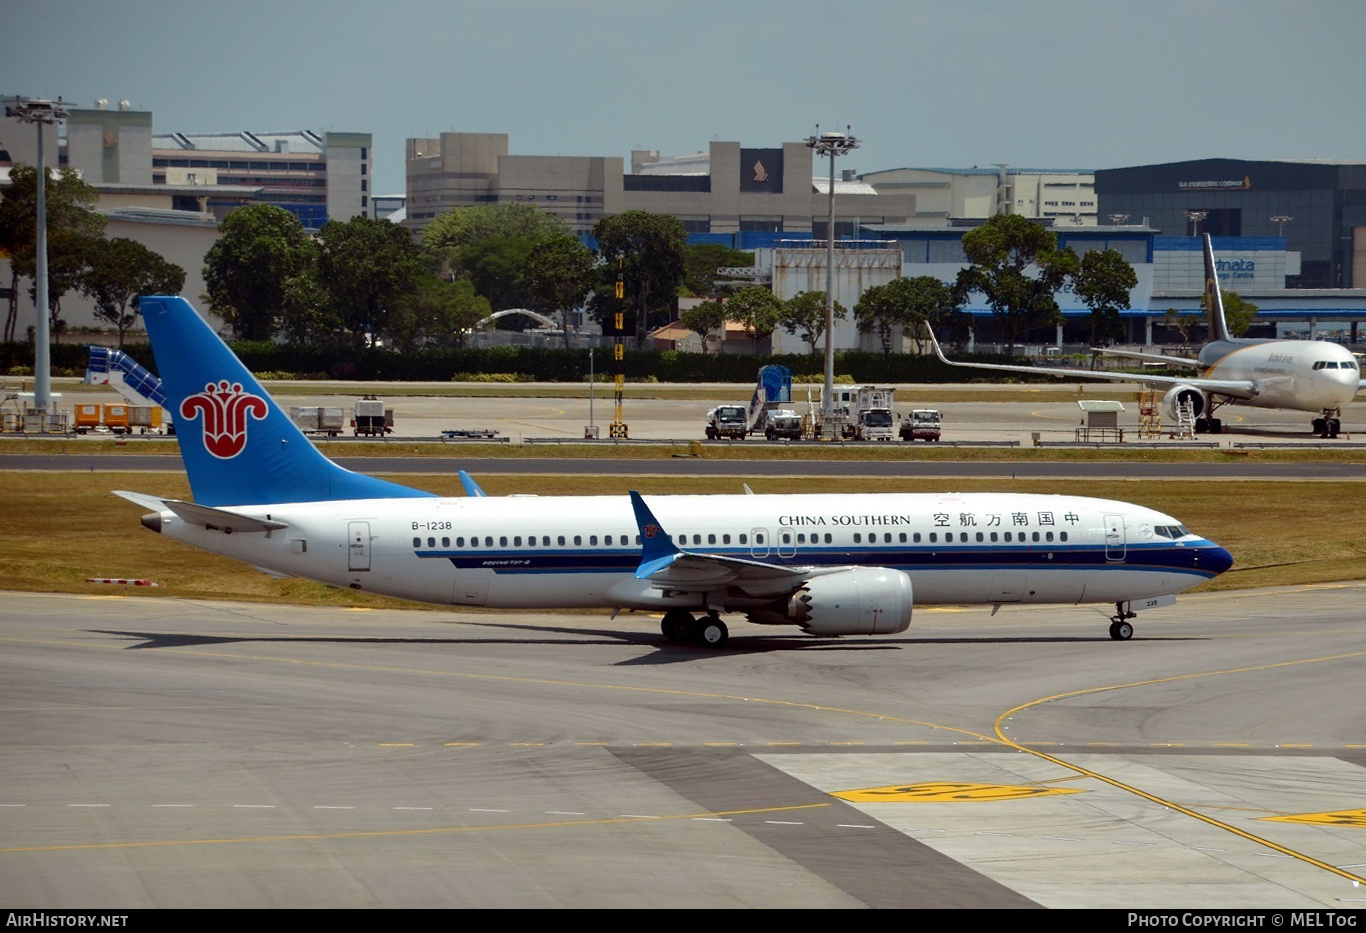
(42, 113)
(832, 145)
(1280, 220)
(1195, 217)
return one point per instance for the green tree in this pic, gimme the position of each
(1016, 263)
(446, 237)
(649, 249)
(1183, 321)
(758, 310)
(704, 319)
(119, 271)
(463, 225)
(1104, 284)
(909, 304)
(560, 273)
(497, 267)
(365, 266)
(804, 314)
(306, 315)
(69, 253)
(438, 312)
(701, 261)
(1238, 313)
(72, 225)
(259, 249)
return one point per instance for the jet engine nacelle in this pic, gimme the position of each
(865, 601)
(1176, 395)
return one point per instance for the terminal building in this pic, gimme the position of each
(730, 193)
(169, 192)
(1317, 207)
(1057, 196)
(315, 176)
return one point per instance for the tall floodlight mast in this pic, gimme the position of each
(832, 145)
(42, 113)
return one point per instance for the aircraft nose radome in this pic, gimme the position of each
(1215, 559)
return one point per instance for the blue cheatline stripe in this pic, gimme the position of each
(1139, 557)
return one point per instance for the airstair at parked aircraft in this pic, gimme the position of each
(1185, 421)
(125, 375)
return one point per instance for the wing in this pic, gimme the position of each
(667, 567)
(1233, 388)
(1149, 357)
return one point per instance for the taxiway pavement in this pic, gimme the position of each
(165, 753)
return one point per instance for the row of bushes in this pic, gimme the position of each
(522, 363)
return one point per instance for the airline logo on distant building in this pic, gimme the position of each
(1225, 184)
(224, 409)
(760, 173)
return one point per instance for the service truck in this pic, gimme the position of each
(782, 422)
(728, 421)
(922, 425)
(870, 413)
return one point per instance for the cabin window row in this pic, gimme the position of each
(949, 537)
(963, 537)
(474, 541)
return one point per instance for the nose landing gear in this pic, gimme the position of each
(1120, 629)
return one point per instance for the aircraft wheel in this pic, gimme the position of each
(1121, 631)
(678, 625)
(1320, 427)
(1334, 426)
(1216, 426)
(711, 633)
(1201, 425)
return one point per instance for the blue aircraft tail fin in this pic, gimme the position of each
(239, 448)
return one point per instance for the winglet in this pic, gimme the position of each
(934, 342)
(471, 487)
(657, 549)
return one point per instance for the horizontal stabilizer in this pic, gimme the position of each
(203, 515)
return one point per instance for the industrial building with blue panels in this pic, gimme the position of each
(1170, 273)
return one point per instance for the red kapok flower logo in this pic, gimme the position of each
(224, 409)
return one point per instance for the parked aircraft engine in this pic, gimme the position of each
(1175, 396)
(865, 601)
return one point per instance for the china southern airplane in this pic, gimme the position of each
(1294, 375)
(827, 564)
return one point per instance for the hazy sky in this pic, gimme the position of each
(1043, 84)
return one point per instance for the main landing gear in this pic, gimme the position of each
(1120, 629)
(679, 625)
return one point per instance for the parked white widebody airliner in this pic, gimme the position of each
(1293, 375)
(827, 564)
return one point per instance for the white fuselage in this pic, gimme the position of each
(551, 552)
(1296, 375)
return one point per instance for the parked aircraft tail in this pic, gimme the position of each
(1214, 300)
(239, 448)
